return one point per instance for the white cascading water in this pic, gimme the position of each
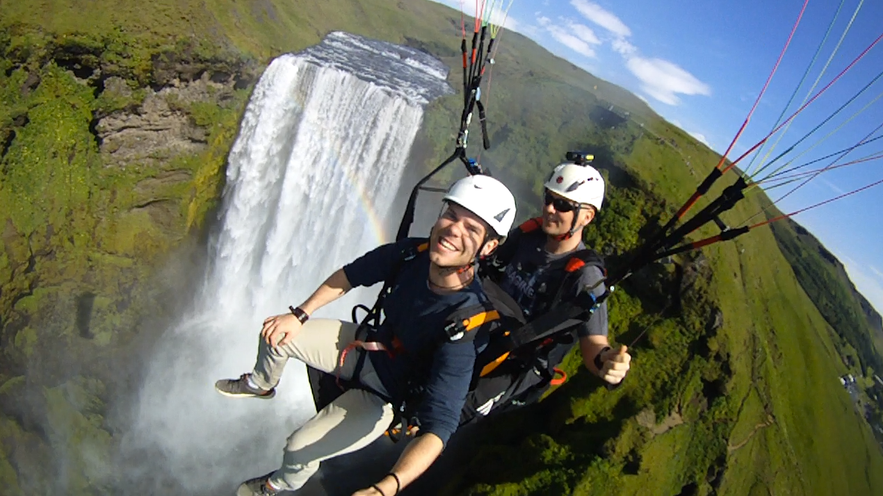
(310, 182)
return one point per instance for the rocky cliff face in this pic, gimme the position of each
(154, 130)
(106, 169)
(161, 126)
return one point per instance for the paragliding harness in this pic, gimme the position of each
(460, 326)
(520, 362)
(516, 367)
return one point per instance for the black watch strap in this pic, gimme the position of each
(598, 363)
(300, 314)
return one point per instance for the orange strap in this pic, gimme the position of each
(479, 319)
(558, 381)
(574, 264)
(394, 431)
(487, 369)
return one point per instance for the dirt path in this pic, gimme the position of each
(769, 421)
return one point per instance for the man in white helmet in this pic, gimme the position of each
(535, 259)
(411, 349)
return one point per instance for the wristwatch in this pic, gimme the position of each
(599, 364)
(300, 314)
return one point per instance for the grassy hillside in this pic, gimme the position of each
(734, 385)
(824, 279)
(754, 405)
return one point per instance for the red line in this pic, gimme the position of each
(687, 206)
(786, 121)
(706, 241)
(769, 78)
(818, 171)
(844, 195)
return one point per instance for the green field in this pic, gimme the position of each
(749, 406)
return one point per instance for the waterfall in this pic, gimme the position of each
(310, 180)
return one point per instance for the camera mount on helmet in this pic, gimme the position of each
(579, 157)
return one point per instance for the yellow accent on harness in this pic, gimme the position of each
(487, 369)
(479, 319)
(422, 247)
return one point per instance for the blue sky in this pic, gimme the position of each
(702, 64)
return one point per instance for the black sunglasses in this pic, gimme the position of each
(560, 204)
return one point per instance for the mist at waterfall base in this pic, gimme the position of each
(311, 180)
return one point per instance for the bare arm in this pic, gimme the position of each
(279, 330)
(615, 363)
(333, 288)
(415, 460)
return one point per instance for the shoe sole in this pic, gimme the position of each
(267, 396)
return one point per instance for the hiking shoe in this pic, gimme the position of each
(240, 388)
(257, 487)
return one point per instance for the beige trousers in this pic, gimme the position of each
(349, 423)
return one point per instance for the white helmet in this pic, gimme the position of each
(577, 183)
(487, 198)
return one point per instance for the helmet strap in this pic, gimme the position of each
(573, 227)
(478, 257)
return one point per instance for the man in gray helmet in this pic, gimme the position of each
(411, 349)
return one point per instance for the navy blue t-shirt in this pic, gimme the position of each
(416, 316)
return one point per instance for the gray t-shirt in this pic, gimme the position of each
(532, 281)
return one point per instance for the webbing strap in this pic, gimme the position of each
(365, 345)
(562, 317)
(480, 319)
(490, 367)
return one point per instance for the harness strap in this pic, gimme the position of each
(558, 380)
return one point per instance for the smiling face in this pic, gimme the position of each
(557, 222)
(457, 236)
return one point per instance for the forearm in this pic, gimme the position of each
(416, 459)
(333, 288)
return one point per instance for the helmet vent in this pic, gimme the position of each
(574, 186)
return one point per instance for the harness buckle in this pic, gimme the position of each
(455, 330)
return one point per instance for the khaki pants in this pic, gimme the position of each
(349, 423)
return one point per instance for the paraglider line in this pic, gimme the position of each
(844, 195)
(762, 91)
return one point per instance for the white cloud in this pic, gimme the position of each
(577, 37)
(660, 79)
(664, 80)
(583, 32)
(601, 17)
(700, 137)
(498, 16)
(875, 270)
(570, 41)
(831, 185)
(529, 30)
(623, 47)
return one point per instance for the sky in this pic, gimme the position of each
(702, 65)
